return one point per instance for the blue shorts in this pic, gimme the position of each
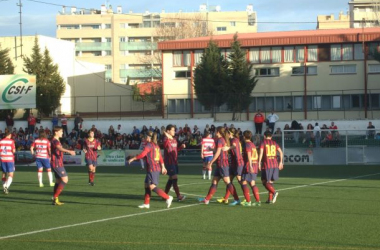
(270, 174)
(42, 162)
(172, 170)
(249, 177)
(91, 162)
(222, 172)
(59, 172)
(236, 171)
(8, 167)
(152, 178)
(207, 159)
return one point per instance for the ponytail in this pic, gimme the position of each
(224, 134)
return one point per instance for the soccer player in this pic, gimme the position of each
(90, 148)
(7, 150)
(41, 147)
(171, 160)
(270, 169)
(153, 169)
(251, 166)
(222, 171)
(61, 177)
(237, 163)
(208, 145)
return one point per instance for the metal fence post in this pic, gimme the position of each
(346, 147)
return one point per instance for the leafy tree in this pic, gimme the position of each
(6, 68)
(50, 85)
(241, 80)
(211, 78)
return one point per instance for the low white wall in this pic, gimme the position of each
(127, 125)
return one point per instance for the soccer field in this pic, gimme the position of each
(318, 207)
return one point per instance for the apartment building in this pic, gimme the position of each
(126, 43)
(315, 74)
(329, 21)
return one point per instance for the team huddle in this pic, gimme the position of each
(244, 164)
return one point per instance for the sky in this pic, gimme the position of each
(39, 18)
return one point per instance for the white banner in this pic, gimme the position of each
(17, 91)
(298, 156)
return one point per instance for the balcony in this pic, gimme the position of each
(95, 46)
(140, 73)
(109, 73)
(138, 46)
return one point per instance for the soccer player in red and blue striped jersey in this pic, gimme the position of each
(269, 166)
(222, 170)
(237, 163)
(153, 161)
(42, 148)
(7, 150)
(56, 163)
(251, 167)
(171, 149)
(91, 147)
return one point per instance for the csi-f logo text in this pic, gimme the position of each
(16, 90)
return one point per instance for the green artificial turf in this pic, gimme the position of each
(317, 208)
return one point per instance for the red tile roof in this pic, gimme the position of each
(277, 38)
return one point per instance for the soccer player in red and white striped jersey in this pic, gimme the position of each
(90, 148)
(269, 166)
(171, 149)
(153, 161)
(207, 152)
(7, 150)
(61, 177)
(41, 147)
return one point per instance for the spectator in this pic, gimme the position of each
(78, 121)
(207, 129)
(144, 130)
(135, 130)
(370, 131)
(54, 121)
(326, 142)
(212, 130)
(333, 129)
(151, 129)
(295, 126)
(259, 120)
(272, 119)
(111, 132)
(277, 133)
(64, 125)
(36, 134)
(9, 122)
(93, 128)
(73, 134)
(195, 130)
(31, 123)
(186, 129)
(118, 129)
(317, 135)
(193, 142)
(309, 138)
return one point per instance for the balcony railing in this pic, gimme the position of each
(94, 46)
(140, 73)
(138, 46)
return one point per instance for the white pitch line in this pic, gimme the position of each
(188, 184)
(158, 211)
(92, 222)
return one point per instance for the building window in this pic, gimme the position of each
(108, 53)
(335, 52)
(324, 53)
(198, 56)
(182, 74)
(123, 25)
(265, 55)
(358, 52)
(122, 39)
(221, 28)
(343, 69)
(374, 99)
(107, 26)
(374, 68)
(347, 52)
(312, 53)
(108, 66)
(254, 55)
(186, 58)
(310, 70)
(177, 58)
(298, 102)
(300, 54)
(179, 105)
(336, 102)
(317, 102)
(268, 72)
(276, 54)
(233, 24)
(288, 54)
(108, 39)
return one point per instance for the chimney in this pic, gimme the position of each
(63, 9)
(103, 9)
(249, 8)
(73, 10)
(119, 10)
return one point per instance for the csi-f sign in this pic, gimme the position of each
(17, 91)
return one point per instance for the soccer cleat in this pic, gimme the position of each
(256, 204)
(52, 184)
(234, 203)
(181, 198)
(246, 203)
(275, 195)
(144, 206)
(41, 185)
(6, 190)
(92, 183)
(222, 200)
(203, 201)
(56, 202)
(169, 201)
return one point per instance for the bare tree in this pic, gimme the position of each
(173, 26)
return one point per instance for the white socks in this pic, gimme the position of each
(50, 176)
(204, 174)
(209, 174)
(8, 182)
(39, 174)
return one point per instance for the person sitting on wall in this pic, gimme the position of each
(370, 131)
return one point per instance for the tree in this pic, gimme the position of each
(211, 78)
(173, 26)
(241, 80)
(6, 68)
(50, 85)
(376, 55)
